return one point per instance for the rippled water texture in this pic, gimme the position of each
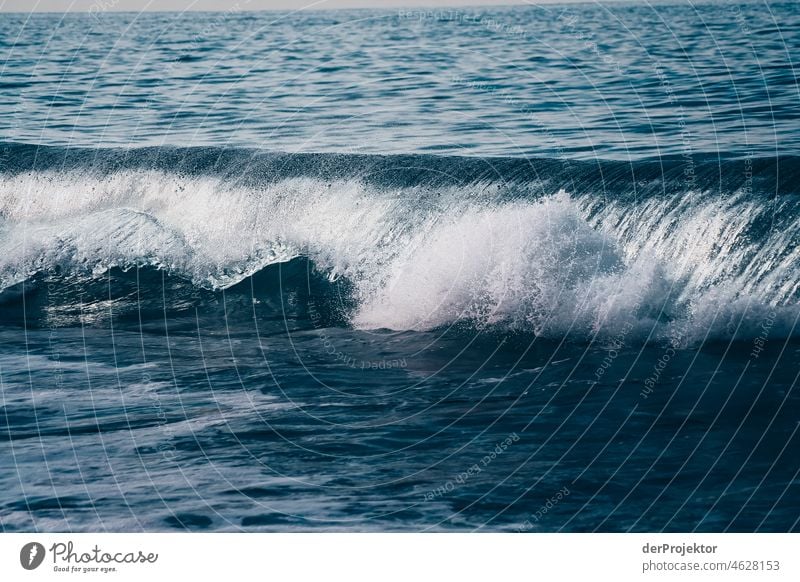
(583, 81)
(514, 269)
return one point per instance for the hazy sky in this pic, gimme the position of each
(138, 5)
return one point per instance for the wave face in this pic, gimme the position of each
(681, 248)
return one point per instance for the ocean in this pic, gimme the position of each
(518, 269)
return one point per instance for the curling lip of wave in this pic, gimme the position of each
(530, 245)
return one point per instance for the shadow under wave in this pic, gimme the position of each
(147, 297)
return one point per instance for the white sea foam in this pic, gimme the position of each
(555, 265)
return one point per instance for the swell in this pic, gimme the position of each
(252, 168)
(680, 248)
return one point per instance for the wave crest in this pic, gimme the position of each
(523, 255)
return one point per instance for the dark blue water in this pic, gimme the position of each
(521, 269)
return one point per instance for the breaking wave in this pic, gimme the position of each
(692, 249)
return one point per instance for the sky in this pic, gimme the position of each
(179, 5)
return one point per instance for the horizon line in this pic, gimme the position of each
(320, 6)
